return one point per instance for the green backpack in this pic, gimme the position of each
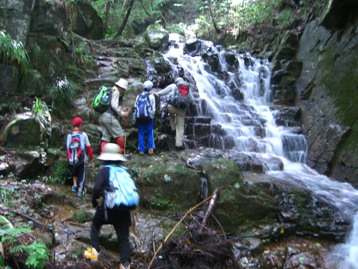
(102, 100)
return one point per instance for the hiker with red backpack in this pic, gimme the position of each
(77, 145)
(144, 110)
(180, 98)
(109, 120)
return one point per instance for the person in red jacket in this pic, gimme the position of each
(78, 169)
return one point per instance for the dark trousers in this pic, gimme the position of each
(121, 228)
(79, 172)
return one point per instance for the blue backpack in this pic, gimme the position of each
(142, 108)
(123, 193)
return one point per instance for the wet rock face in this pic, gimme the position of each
(327, 92)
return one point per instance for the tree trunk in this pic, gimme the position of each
(124, 22)
(105, 26)
(217, 29)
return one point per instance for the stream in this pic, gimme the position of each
(248, 125)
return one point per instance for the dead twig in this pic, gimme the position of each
(210, 209)
(177, 225)
(38, 223)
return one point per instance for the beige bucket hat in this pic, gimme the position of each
(122, 83)
(111, 153)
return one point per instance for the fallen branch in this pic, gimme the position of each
(210, 209)
(38, 223)
(176, 226)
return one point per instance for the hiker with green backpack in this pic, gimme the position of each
(110, 115)
(180, 98)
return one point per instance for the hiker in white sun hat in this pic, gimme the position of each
(109, 120)
(118, 216)
(111, 153)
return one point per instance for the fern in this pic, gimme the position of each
(38, 254)
(9, 234)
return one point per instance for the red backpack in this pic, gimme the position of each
(181, 99)
(75, 153)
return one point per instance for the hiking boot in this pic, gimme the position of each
(151, 151)
(180, 148)
(125, 265)
(74, 189)
(81, 193)
(92, 254)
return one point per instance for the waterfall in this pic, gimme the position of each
(238, 99)
(246, 125)
(345, 256)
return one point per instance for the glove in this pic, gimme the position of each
(94, 203)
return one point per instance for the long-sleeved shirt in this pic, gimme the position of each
(85, 144)
(115, 104)
(172, 90)
(101, 183)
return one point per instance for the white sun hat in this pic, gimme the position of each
(122, 83)
(111, 153)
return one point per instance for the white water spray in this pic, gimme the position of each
(251, 125)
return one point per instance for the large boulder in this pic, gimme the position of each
(59, 20)
(15, 17)
(86, 22)
(284, 204)
(156, 36)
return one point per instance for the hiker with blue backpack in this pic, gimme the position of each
(119, 196)
(77, 145)
(180, 98)
(109, 118)
(144, 110)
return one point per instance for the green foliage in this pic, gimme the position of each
(81, 54)
(4, 197)
(235, 16)
(62, 93)
(13, 52)
(177, 28)
(6, 194)
(42, 115)
(61, 171)
(39, 107)
(141, 12)
(82, 216)
(37, 253)
(161, 203)
(5, 223)
(8, 233)
(284, 19)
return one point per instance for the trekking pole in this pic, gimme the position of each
(125, 143)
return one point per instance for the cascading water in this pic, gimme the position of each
(238, 99)
(249, 125)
